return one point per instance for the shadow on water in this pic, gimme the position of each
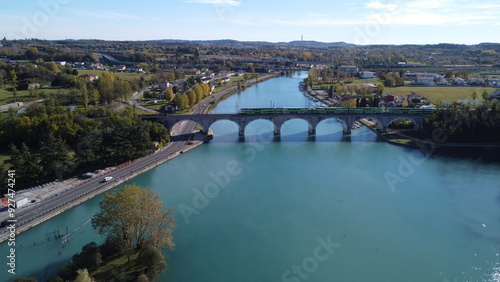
(298, 137)
(480, 156)
(50, 270)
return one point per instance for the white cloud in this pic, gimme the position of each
(427, 19)
(487, 6)
(232, 3)
(379, 6)
(102, 15)
(428, 12)
(384, 13)
(428, 4)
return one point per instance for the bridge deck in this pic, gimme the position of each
(278, 119)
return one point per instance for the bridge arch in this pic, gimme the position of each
(380, 123)
(339, 120)
(327, 122)
(311, 128)
(416, 124)
(170, 126)
(212, 122)
(258, 119)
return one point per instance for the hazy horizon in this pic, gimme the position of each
(366, 23)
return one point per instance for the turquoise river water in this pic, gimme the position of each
(329, 208)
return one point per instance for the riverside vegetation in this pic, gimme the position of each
(135, 239)
(49, 142)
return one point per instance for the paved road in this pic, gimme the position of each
(23, 215)
(183, 132)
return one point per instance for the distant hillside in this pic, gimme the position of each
(318, 44)
(231, 42)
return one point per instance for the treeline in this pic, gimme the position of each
(49, 142)
(33, 78)
(91, 264)
(46, 53)
(192, 96)
(463, 124)
(192, 53)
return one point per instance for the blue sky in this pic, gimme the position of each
(361, 22)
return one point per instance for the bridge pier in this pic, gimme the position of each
(242, 120)
(277, 131)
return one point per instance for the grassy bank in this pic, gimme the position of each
(119, 268)
(435, 94)
(129, 76)
(438, 94)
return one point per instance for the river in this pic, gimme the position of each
(329, 208)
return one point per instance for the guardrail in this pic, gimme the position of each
(98, 189)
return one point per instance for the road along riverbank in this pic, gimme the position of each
(70, 196)
(120, 175)
(221, 96)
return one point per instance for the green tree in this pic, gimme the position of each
(191, 98)
(27, 165)
(180, 101)
(363, 102)
(170, 76)
(53, 67)
(3, 179)
(89, 258)
(56, 158)
(330, 91)
(206, 89)
(122, 90)
(14, 81)
(154, 261)
(169, 94)
(3, 75)
(389, 81)
(31, 53)
(158, 133)
(84, 95)
(12, 113)
(89, 146)
(198, 90)
(94, 94)
(474, 95)
(105, 86)
(485, 95)
(380, 89)
(125, 138)
(134, 217)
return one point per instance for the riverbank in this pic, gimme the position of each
(400, 139)
(221, 96)
(57, 190)
(155, 160)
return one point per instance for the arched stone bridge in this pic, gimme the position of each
(313, 119)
